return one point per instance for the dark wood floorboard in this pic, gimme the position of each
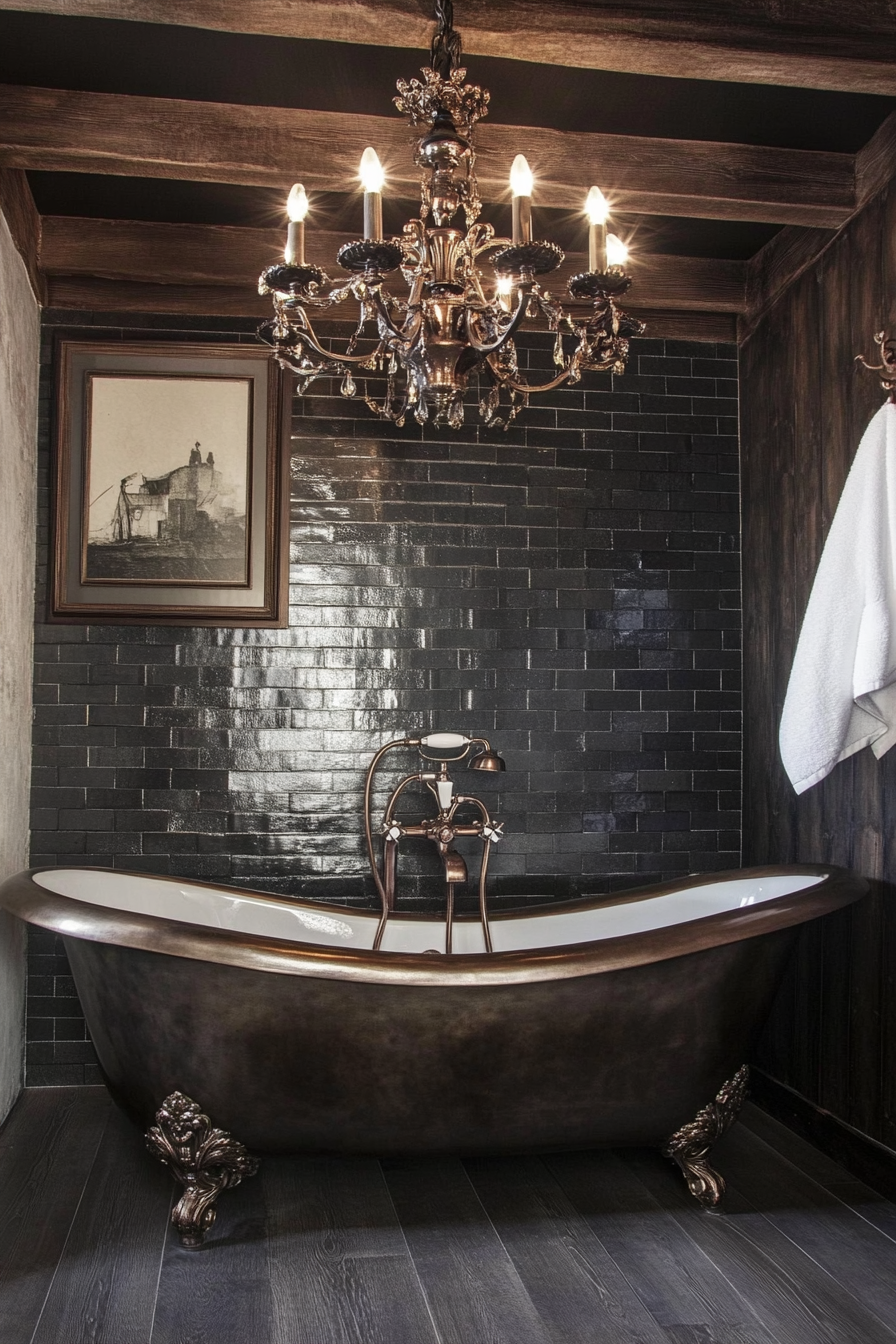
(48, 1148)
(107, 1277)
(794, 1298)
(217, 1293)
(578, 1248)
(677, 1281)
(844, 1244)
(474, 1291)
(340, 1270)
(823, 1169)
(578, 1290)
(716, 1334)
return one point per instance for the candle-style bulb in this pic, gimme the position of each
(597, 207)
(617, 252)
(296, 210)
(521, 179)
(297, 204)
(371, 170)
(521, 185)
(503, 291)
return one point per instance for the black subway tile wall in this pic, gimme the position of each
(569, 588)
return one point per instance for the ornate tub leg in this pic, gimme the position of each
(690, 1146)
(204, 1160)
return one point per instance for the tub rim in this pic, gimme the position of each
(74, 918)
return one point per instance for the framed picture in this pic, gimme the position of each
(170, 485)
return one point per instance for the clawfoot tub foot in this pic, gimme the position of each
(690, 1146)
(205, 1161)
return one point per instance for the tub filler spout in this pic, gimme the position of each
(442, 830)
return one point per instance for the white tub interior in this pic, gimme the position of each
(303, 923)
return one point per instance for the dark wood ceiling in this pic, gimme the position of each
(152, 157)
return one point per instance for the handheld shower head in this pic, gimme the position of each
(486, 760)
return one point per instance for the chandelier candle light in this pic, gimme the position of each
(521, 183)
(452, 322)
(296, 210)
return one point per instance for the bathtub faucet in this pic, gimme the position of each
(442, 829)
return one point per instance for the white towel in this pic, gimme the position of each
(842, 690)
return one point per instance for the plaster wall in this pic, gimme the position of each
(19, 368)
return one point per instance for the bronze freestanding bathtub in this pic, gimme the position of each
(622, 1020)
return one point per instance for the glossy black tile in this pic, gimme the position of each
(569, 588)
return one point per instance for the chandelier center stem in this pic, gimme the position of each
(446, 46)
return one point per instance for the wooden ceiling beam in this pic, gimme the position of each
(67, 131)
(792, 251)
(876, 161)
(86, 293)
(199, 254)
(815, 45)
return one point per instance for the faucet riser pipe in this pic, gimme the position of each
(443, 829)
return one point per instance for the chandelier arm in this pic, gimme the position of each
(307, 375)
(525, 388)
(512, 326)
(386, 318)
(308, 338)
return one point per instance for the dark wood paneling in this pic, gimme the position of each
(776, 265)
(804, 405)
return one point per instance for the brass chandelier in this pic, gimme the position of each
(452, 323)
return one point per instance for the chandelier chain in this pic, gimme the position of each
(446, 45)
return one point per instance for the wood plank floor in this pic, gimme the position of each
(574, 1248)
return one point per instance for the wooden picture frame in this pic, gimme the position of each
(170, 491)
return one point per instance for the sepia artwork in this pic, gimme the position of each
(169, 485)
(167, 480)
